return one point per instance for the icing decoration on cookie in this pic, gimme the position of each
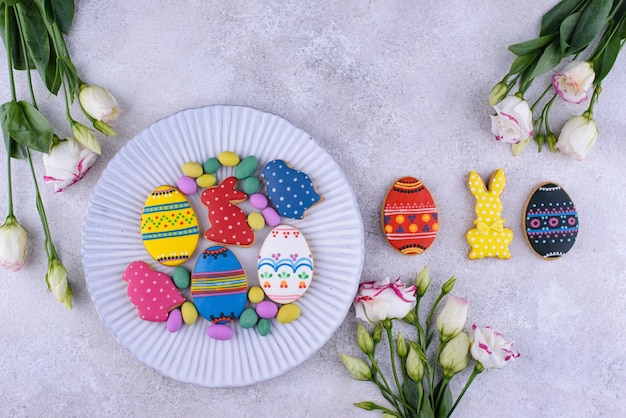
(285, 264)
(219, 285)
(489, 238)
(409, 217)
(169, 227)
(551, 221)
(228, 222)
(290, 191)
(152, 292)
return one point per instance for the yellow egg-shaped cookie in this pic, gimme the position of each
(169, 226)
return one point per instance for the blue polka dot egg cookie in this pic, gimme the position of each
(290, 191)
(550, 221)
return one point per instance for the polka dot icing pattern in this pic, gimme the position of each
(169, 227)
(228, 221)
(409, 218)
(285, 264)
(152, 292)
(489, 238)
(551, 221)
(290, 191)
(219, 286)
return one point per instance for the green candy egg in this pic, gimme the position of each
(246, 167)
(181, 277)
(264, 327)
(248, 318)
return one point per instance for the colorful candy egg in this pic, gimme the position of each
(409, 216)
(219, 286)
(169, 227)
(551, 221)
(290, 191)
(285, 264)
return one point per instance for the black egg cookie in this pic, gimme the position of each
(550, 221)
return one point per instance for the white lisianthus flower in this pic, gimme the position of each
(13, 240)
(490, 348)
(56, 277)
(67, 163)
(453, 358)
(451, 320)
(513, 121)
(385, 300)
(99, 103)
(573, 82)
(578, 136)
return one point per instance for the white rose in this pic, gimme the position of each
(378, 301)
(513, 120)
(578, 136)
(13, 240)
(573, 82)
(490, 348)
(99, 103)
(67, 163)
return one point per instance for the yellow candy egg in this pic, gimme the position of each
(190, 313)
(288, 313)
(228, 159)
(193, 170)
(206, 180)
(169, 226)
(256, 294)
(256, 221)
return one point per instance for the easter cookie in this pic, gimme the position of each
(489, 238)
(152, 292)
(228, 221)
(290, 191)
(285, 264)
(550, 221)
(169, 227)
(219, 285)
(409, 217)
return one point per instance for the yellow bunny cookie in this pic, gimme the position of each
(489, 238)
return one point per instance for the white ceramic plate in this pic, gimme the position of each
(111, 241)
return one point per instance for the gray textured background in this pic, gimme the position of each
(389, 88)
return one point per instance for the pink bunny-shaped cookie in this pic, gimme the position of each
(489, 238)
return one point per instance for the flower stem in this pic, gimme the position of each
(433, 376)
(383, 385)
(10, 188)
(477, 370)
(25, 52)
(50, 250)
(392, 355)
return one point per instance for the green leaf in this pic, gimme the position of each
(64, 12)
(566, 30)
(446, 403)
(427, 409)
(552, 19)
(521, 62)
(549, 59)
(53, 76)
(410, 389)
(591, 22)
(29, 127)
(603, 64)
(35, 34)
(17, 55)
(532, 45)
(14, 149)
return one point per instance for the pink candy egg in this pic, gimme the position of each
(174, 320)
(187, 185)
(272, 218)
(220, 332)
(267, 309)
(258, 201)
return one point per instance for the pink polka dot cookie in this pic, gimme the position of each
(152, 292)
